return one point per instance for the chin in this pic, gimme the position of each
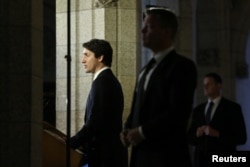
(87, 71)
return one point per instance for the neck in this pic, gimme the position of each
(99, 68)
(213, 97)
(166, 50)
(161, 48)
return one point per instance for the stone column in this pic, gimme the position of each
(21, 83)
(114, 21)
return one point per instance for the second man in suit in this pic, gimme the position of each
(163, 97)
(217, 126)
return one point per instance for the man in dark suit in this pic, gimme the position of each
(156, 127)
(218, 129)
(99, 136)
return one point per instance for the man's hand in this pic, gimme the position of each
(200, 131)
(134, 136)
(208, 131)
(131, 136)
(124, 138)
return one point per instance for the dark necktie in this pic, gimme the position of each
(140, 92)
(143, 77)
(208, 113)
(89, 104)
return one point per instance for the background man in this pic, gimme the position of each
(217, 125)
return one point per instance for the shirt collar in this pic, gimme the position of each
(216, 100)
(161, 55)
(98, 72)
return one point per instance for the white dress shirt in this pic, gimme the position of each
(98, 72)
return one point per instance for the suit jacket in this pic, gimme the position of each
(165, 111)
(103, 123)
(227, 119)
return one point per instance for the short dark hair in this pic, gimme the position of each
(215, 76)
(167, 17)
(100, 47)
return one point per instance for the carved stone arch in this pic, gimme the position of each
(105, 3)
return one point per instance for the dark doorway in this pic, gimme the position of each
(49, 63)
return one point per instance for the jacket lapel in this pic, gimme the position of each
(218, 110)
(165, 63)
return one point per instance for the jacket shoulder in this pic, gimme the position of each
(229, 103)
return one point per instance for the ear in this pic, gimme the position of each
(100, 59)
(169, 32)
(220, 86)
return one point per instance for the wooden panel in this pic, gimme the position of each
(54, 149)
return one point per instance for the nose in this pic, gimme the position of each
(83, 60)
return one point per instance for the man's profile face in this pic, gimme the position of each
(152, 32)
(90, 62)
